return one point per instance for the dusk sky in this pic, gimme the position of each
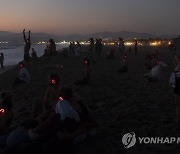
(90, 16)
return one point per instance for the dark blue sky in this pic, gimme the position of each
(90, 16)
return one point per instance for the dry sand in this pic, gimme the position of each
(122, 103)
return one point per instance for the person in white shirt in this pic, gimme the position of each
(24, 75)
(155, 74)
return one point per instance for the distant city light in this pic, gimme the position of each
(129, 43)
(2, 42)
(156, 43)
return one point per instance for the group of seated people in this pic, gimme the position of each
(61, 115)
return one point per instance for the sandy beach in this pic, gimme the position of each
(121, 102)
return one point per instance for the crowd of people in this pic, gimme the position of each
(61, 115)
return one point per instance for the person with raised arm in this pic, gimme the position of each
(27, 46)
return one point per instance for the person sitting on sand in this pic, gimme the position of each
(24, 75)
(33, 54)
(124, 63)
(152, 58)
(6, 113)
(50, 99)
(110, 54)
(86, 73)
(155, 74)
(175, 83)
(71, 119)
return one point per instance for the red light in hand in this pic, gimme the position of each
(2, 111)
(53, 81)
(61, 99)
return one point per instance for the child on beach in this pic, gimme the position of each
(86, 73)
(175, 83)
(24, 75)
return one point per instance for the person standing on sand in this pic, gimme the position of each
(51, 49)
(121, 45)
(175, 83)
(27, 46)
(135, 49)
(2, 60)
(91, 49)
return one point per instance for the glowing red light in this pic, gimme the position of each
(2, 110)
(53, 81)
(85, 62)
(61, 99)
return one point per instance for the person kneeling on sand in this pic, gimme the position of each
(6, 114)
(24, 75)
(86, 73)
(155, 74)
(124, 64)
(175, 83)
